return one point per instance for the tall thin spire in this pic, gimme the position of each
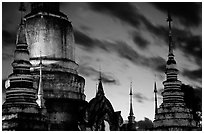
(131, 117)
(40, 99)
(169, 20)
(155, 97)
(131, 109)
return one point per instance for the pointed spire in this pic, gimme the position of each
(155, 97)
(131, 117)
(169, 20)
(21, 36)
(40, 99)
(21, 54)
(131, 109)
(171, 59)
(100, 86)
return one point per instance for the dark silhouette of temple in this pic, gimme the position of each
(99, 114)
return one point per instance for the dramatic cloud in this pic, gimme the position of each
(139, 97)
(191, 45)
(120, 48)
(188, 13)
(140, 41)
(107, 78)
(193, 75)
(82, 39)
(128, 13)
(124, 11)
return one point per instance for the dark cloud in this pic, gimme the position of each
(88, 43)
(122, 49)
(140, 97)
(188, 13)
(107, 78)
(195, 75)
(128, 13)
(191, 45)
(124, 11)
(140, 41)
(83, 39)
(161, 67)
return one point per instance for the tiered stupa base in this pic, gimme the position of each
(174, 117)
(64, 97)
(22, 118)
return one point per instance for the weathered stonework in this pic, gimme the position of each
(51, 41)
(20, 110)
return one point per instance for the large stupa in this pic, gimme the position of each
(172, 114)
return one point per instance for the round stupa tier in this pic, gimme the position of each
(50, 36)
(57, 84)
(21, 91)
(172, 85)
(174, 93)
(172, 116)
(171, 75)
(21, 53)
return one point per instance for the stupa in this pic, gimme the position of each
(172, 114)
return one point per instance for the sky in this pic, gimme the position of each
(128, 42)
